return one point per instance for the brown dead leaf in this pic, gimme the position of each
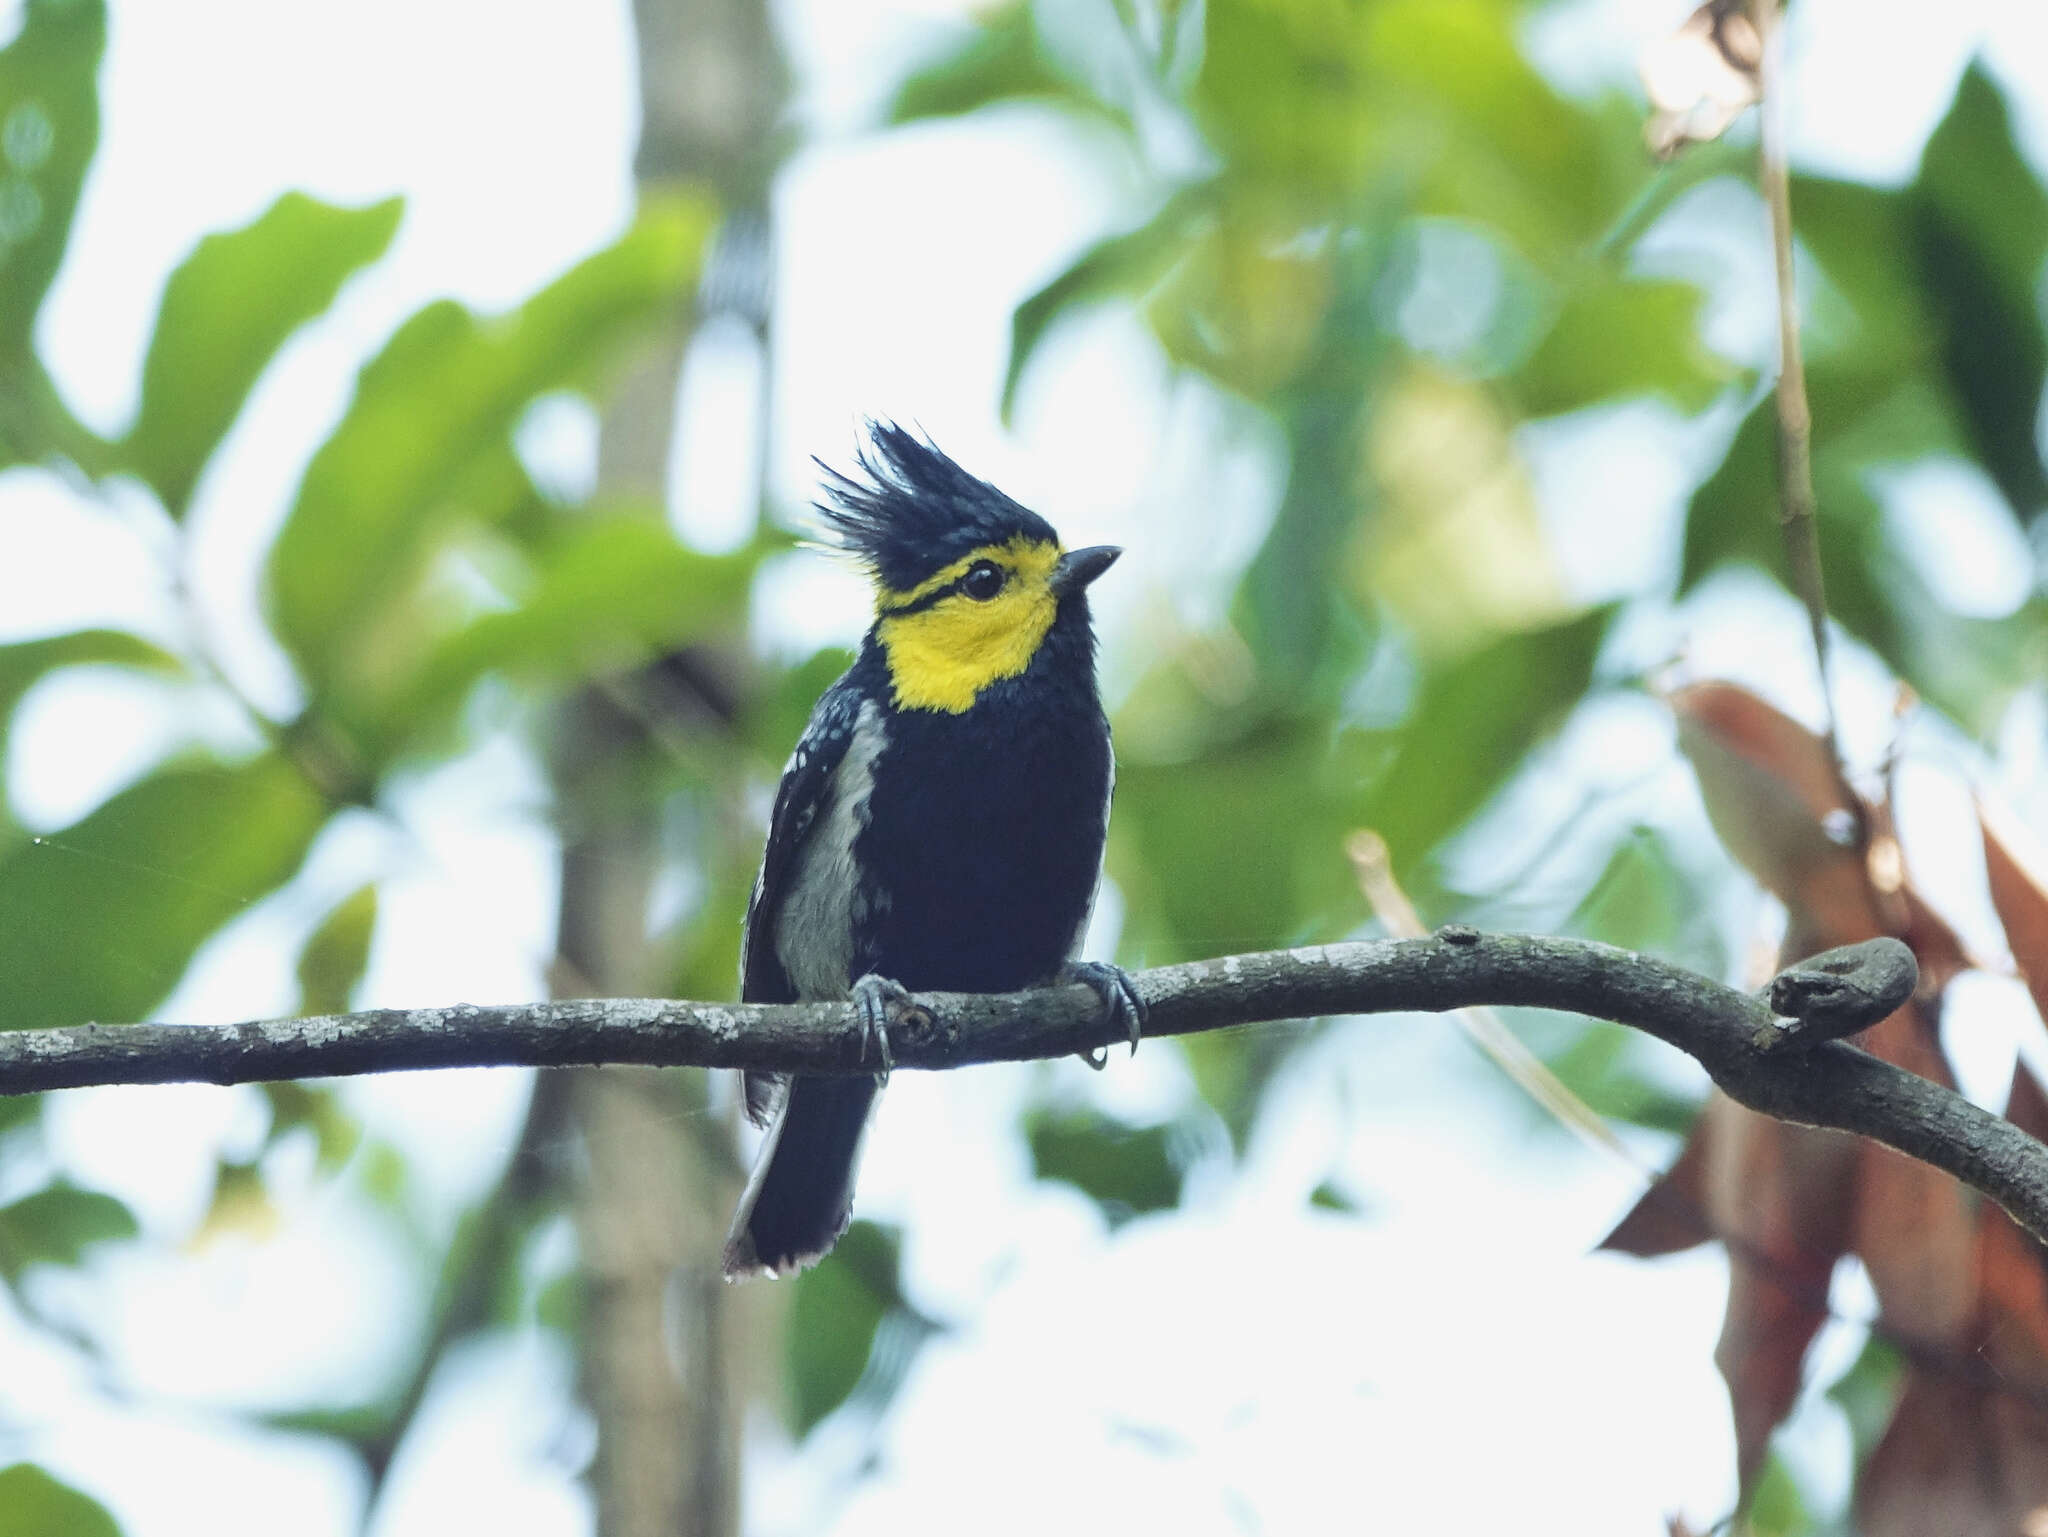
(2009, 865)
(1777, 804)
(1963, 1292)
(1913, 1231)
(1702, 77)
(1935, 945)
(1967, 1447)
(1766, 736)
(1923, 1476)
(1914, 1226)
(1672, 1216)
(1790, 1201)
(2026, 1103)
(1774, 1192)
(1775, 1195)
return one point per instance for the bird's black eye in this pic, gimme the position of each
(984, 579)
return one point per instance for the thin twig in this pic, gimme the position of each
(1797, 503)
(1483, 1026)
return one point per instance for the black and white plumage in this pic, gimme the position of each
(940, 825)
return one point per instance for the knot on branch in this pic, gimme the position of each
(1837, 993)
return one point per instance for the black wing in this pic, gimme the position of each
(806, 784)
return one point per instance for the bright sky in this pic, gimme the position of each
(1453, 1362)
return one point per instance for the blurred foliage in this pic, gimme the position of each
(842, 1319)
(26, 663)
(49, 127)
(1395, 240)
(417, 561)
(1929, 344)
(97, 920)
(424, 457)
(1398, 241)
(224, 313)
(33, 1504)
(56, 1226)
(1376, 227)
(336, 954)
(1126, 1170)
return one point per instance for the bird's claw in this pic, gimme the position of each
(1120, 999)
(876, 1001)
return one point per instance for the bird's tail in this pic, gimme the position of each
(801, 1194)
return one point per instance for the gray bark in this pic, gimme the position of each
(1763, 1059)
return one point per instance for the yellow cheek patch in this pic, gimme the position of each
(942, 657)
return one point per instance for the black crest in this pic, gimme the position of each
(910, 510)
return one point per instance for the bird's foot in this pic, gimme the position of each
(1120, 1000)
(879, 1002)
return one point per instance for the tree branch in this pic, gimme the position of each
(1782, 1067)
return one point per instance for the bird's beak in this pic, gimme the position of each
(1077, 568)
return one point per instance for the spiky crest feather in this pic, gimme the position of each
(910, 510)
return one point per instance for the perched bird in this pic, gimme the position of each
(940, 824)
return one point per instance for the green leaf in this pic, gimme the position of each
(33, 1504)
(1730, 516)
(1000, 61)
(1432, 96)
(442, 397)
(1863, 422)
(1244, 294)
(1487, 135)
(1285, 91)
(1868, 1393)
(49, 126)
(1871, 314)
(776, 715)
(1305, 632)
(1238, 847)
(18, 1110)
(835, 1314)
(226, 310)
(707, 952)
(355, 1425)
(560, 1305)
(1123, 265)
(98, 921)
(1126, 1170)
(1232, 1069)
(1969, 667)
(1982, 221)
(1778, 1508)
(1331, 1197)
(294, 1105)
(1615, 339)
(56, 1225)
(1638, 902)
(609, 592)
(1613, 1069)
(1862, 419)
(337, 954)
(26, 663)
(1473, 723)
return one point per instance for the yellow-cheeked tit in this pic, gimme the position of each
(940, 824)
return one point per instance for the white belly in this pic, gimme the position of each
(815, 927)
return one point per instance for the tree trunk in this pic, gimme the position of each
(659, 1367)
